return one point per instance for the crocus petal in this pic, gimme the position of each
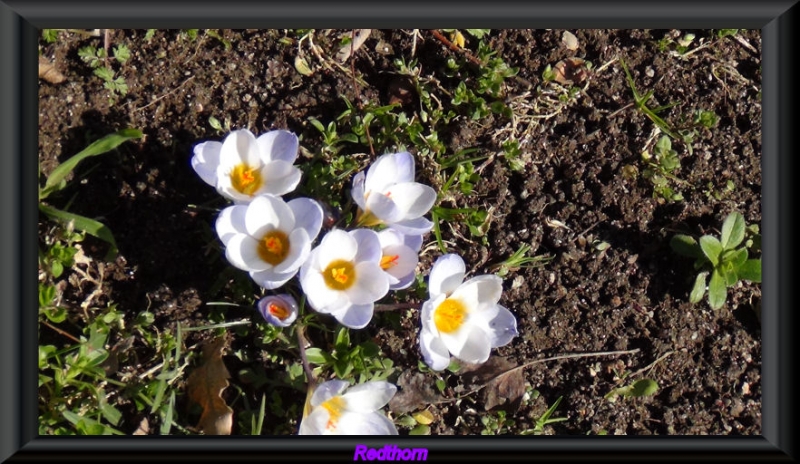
(484, 289)
(454, 341)
(503, 327)
(239, 146)
(230, 222)
(353, 423)
(206, 160)
(286, 301)
(371, 284)
(406, 261)
(390, 236)
(369, 245)
(280, 177)
(434, 352)
(278, 145)
(446, 275)
(416, 226)
(327, 390)
(307, 215)
(355, 316)
(413, 199)
(337, 244)
(225, 188)
(357, 192)
(299, 249)
(322, 298)
(242, 252)
(383, 207)
(476, 346)
(390, 169)
(266, 213)
(270, 280)
(315, 423)
(369, 396)
(401, 284)
(413, 241)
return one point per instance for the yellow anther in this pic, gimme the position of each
(449, 315)
(274, 247)
(339, 275)
(388, 261)
(335, 406)
(246, 179)
(278, 311)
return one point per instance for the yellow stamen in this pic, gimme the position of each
(388, 261)
(339, 275)
(274, 247)
(449, 315)
(367, 219)
(278, 311)
(335, 406)
(246, 179)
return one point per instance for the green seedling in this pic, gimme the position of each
(638, 389)
(97, 59)
(360, 363)
(57, 181)
(640, 102)
(519, 260)
(545, 419)
(660, 167)
(723, 258)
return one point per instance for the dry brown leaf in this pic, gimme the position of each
(205, 386)
(48, 72)
(501, 382)
(414, 392)
(348, 49)
(571, 71)
(569, 40)
(144, 428)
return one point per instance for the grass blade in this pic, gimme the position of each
(84, 224)
(104, 145)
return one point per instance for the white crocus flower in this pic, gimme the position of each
(464, 319)
(269, 238)
(343, 276)
(400, 255)
(387, 194)
(279, 310)
(243, 166)
(338, 409)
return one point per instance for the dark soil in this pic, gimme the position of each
(571, 195)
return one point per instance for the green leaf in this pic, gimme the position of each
(751, 270)
(420, 430)
(317, 356)
(735, 257)
(686, 246)
(717, 290)
(711, 248)
(699, 288)
(84, 224)
(644, 387)
(732, 231)
(104, 145)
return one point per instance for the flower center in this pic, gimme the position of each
(334, 406)
(281, 312)
(246, 179)
(449, 315)
(388, 261)
(274, 247)
(339, 275)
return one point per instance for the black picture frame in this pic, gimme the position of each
(19, 24)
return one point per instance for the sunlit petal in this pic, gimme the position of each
(280, 177)
(278, 145)
(503, 327)
(266, 213)
(307, 215)
(369, 245)
(369, 396)
(371, 284)
(242, 252)
(206, 160)
(299, 249)
(446, 275)
(239, 146)
(355, 316)
(270, 280)
(230, 222)
(337, 244)
(413, 199)
(357, 191)
(484, 289)
(390, 169)
(415, 226)
(476, 346)
(434, 352)
(352, 423)
(327, 390)
(383, 207)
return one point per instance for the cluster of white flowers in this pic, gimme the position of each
(349, 270)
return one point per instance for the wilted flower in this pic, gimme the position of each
(387, 194)
(343, 276)
(268, 237)
(464, 319)
(279, 310)
(243, 166)
(400, 255)
(336, 409)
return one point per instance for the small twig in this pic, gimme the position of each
(165, 95)
(652, 364)
(66, 334)
(392, 307)
(455, 47)
(302, 342)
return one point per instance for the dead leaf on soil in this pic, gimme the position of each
(414, 393)
(144, 428)
(569, 40)
(205, 386)
(348, 49)
(48, 72)
(501, 382)
(570, 71)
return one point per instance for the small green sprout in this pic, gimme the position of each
(638, 389)
(640, 101)
(660, 167)
(545, 419)
(722, 257)
(519, 260)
